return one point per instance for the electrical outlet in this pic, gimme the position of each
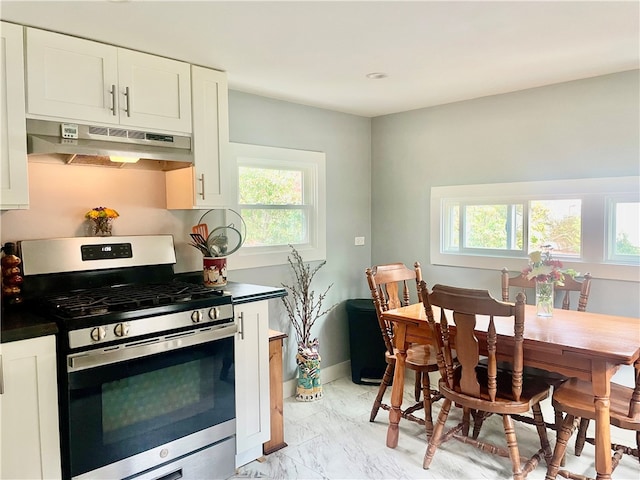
(359, 241)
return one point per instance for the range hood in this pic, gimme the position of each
(78, 144)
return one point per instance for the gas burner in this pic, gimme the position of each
(124, 298)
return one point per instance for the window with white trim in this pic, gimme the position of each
(281, 197)
(592, 225)
(623, 230)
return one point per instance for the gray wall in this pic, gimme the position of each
(346, 141)
(582, 129)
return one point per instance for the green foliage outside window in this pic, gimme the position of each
(267, 200)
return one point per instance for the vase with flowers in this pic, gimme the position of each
(547, 273)
(101, 221)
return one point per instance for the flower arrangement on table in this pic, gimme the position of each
(543, 268)
(547, 273)
(101, 219)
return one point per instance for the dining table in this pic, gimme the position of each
(590, 346)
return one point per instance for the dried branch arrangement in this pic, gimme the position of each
(302, 305)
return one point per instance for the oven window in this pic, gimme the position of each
(119, 410)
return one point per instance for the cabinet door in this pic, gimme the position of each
(207, 184)
(71, 78)
(210, 137)
(29, 410)
(252, 380)
(154, 92)
(14, 188)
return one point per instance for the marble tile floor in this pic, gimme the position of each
(333, 439)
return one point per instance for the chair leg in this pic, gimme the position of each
(478, 420)
(581, 437)
(386, 381)
(565, 431)
(542, 432)
(426, 400)
(558, 420)
(466, 421)
(436, 438)
(512, 444)
(417, 387)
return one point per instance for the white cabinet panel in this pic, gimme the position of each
(14, 188)
(29, 410)
(155, 92)
(208, 183)
(71, 78)
(252, 380)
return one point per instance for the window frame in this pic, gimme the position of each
(313, 166)
(611, 240)
(594, 194)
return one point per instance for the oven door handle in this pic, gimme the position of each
(150, 346)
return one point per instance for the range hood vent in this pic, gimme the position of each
(95, 145)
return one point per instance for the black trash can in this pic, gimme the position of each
(366, 343)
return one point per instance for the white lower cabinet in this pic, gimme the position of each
(252, 380)
(30, 442)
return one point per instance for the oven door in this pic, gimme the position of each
(125, 417)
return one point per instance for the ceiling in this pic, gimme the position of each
(319, 53)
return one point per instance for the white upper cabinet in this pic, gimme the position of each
(14, 188)
(207, 183)
(75, 79)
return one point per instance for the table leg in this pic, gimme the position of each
(601, 374)
(398, 386)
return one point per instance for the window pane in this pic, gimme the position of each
(275, 227)
(627, 228)
(267, 186)
(493, 227)
(556, 223)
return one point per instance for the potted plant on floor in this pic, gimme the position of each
(304, 308)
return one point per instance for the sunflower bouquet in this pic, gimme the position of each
(101, 220)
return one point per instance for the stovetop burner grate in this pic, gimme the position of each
(123, 298)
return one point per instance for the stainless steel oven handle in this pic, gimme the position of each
(150, 346)
(172, 476)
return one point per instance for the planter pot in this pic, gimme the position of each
(544, 298)
(309, 387)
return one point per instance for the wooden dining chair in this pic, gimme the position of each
(483, 389)
(575, 398)
(389, 285)
(570, 285)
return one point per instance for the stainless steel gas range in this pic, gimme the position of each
(146, 363)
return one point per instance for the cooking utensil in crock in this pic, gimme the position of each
(202, 229)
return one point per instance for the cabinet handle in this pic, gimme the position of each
(241, 329)
(1, 377)
(201, 180)
(128, 95)
(113, 100)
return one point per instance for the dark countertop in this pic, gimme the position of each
(19, 323)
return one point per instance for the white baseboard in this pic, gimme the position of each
(327, 375)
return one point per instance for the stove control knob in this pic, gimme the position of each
(214, 313)
(98, 333)
(121, 330)
(196, 316)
